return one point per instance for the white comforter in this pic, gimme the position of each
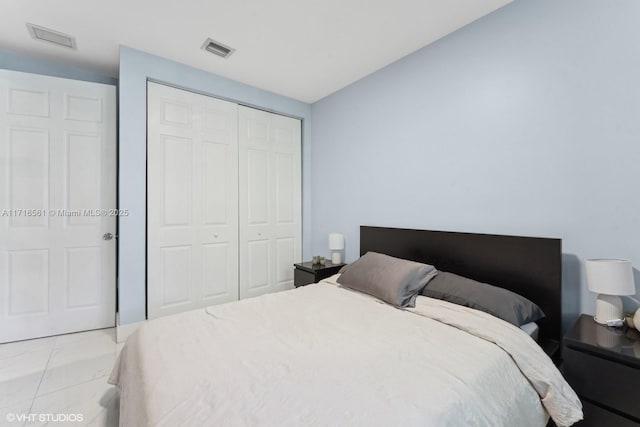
(327, 356)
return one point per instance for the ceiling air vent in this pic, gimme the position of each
(51, 36)
(217, 48)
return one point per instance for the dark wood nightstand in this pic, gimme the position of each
(603, 366)
(308, 272)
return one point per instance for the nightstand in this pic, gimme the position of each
(603, 366)
(308, 272)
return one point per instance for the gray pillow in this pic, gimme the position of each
(496, 301)
(393, 280)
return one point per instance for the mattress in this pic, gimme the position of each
(326, 355)
(531, 329)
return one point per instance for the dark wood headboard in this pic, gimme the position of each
(529, 266)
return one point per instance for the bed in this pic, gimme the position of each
(324, 354)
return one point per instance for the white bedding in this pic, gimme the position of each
(322, 355)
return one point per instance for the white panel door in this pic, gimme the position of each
(270, 201)
(192, 201)
(57, 172)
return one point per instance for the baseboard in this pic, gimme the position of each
(123, 331)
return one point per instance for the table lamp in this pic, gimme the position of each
(610, 278)
(336, 244)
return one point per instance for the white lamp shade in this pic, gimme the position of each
(336, 242)
(610, 276)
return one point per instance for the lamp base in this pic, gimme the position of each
(608, 309)
(335, 257)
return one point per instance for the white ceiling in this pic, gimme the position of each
(304, 49)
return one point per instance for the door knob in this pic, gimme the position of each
(107, 236)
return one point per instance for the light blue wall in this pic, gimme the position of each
(526, 122)
(135, 68)
(28, 64)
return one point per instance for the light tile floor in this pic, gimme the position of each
(64, 375)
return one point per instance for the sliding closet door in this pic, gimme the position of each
(270, 201)
(192, 201)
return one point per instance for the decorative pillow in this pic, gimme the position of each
(393, 280)
(496, 301)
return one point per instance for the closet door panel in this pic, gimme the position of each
(219, 195)
(215, 165)
(176, 171)
(270, 198)
(284, 185)
(176, 279)
(192, 198)
(254, 168)
(215, 271)
(258, 187)
(287, 203)
(258, 265)
(285, 258)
